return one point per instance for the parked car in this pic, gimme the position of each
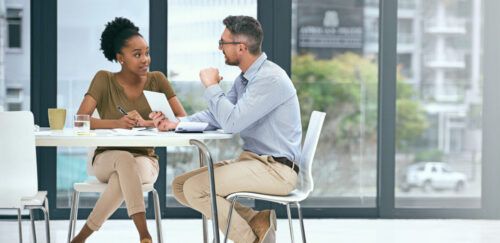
(432, 176)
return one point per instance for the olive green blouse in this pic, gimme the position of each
(109, 94)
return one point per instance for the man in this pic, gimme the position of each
(262, 106)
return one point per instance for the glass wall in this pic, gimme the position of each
(334, 69)
(15, 55)
(79, 27)
(439, 119)
(438, 130)
(194, 29)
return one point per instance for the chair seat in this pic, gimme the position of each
(293, 196)
(93, 185)
(36, 200)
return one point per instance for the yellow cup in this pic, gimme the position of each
(57, 118)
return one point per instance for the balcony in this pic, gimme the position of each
(372, 3)
(14, 97)
(452, 91)
(445, 26)
(407, 4)
(406, 42)
(449, 59)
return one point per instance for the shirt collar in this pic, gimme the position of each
(252, 70)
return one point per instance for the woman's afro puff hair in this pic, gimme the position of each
(114, 36)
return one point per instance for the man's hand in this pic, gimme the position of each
(166, 125)
(210, 76)
(161, 123)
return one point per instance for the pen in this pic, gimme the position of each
(121, 110)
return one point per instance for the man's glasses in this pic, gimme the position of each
(221, 43)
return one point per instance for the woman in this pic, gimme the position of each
(125, 169)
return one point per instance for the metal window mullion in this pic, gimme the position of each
(386, 122)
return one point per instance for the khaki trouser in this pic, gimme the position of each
(249, 173)
(124, 175)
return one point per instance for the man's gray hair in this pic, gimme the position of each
(248, 27)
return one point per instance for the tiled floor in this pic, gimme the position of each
(318, 231)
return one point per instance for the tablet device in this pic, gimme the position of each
(158, 102)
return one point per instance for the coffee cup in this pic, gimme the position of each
(57, 118)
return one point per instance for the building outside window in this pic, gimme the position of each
(14, 27)
(15, 55)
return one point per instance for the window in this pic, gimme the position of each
(334, 69)
(194, 29)
(79, 27)
(445, 96)
(14, 27)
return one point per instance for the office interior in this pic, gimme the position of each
(409, 88)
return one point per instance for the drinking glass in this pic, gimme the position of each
(81, 124)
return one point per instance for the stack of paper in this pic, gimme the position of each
(137, 131)
(191, 127)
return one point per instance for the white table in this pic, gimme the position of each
(105, 137)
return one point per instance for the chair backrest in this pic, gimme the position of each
(306, 183)
(18, 169)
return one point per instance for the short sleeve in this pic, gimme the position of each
(98, 85)
(164, 85)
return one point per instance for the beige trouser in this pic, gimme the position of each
(125, 175)
(250, 173)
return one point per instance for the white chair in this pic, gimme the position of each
(305, 179)
(93, 185)
(18, 169)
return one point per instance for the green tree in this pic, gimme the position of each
(346, 88)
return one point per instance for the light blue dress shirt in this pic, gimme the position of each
(262, 106)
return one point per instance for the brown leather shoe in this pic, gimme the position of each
(146, 240)
(264, 226)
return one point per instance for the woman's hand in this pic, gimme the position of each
(125, 122)
(161, 123)
(140, 122)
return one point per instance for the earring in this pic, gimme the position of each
(121, 62)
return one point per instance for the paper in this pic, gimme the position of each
(134, 132)
(158, 102)
(191, 127)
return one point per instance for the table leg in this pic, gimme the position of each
(203, 218)
(204, 153)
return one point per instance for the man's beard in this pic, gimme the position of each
(231, 63)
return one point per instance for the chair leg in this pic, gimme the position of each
(302, 229)
(45, 210)
(33, 231)
(72, 215)
(205, 228)
(226, 236)
(75, 218)
(20, 225)
(156, 203)
(290, 221)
